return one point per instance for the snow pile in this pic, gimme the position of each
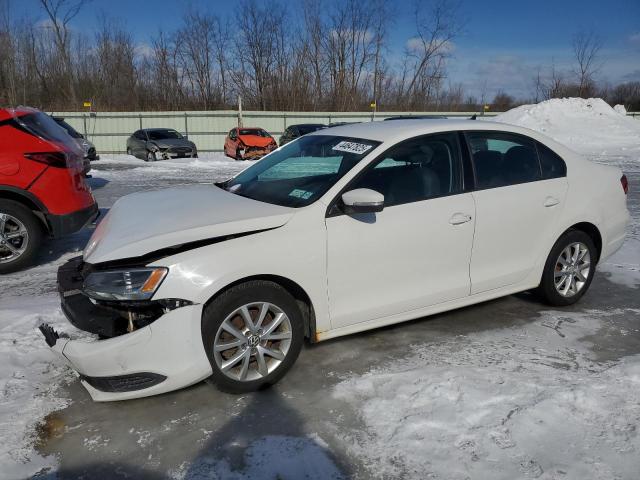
(30, 378)
(513, 403)
(586, 125)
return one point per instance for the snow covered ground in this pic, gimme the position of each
(31, 376)
(502, 405)
(526, 401)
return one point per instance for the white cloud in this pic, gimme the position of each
(416, 45)
(144, 50)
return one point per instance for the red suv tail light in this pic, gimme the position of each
(53, 159)
(625, 184)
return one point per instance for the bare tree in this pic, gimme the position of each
(60, 13)
(586, 47)
(427, 53)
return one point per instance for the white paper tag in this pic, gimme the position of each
(352, 147)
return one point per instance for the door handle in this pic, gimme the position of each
(459, 219)
(551, 202)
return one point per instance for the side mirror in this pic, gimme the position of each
(362, 200)
(186, 137)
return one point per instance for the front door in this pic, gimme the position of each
(414, 253)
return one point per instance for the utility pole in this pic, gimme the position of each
(239, 111)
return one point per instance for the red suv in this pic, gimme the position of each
(42, 187)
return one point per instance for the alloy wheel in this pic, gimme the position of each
(572, 269)
(252, 341)
(14, 238)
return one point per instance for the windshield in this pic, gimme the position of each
(299, 173)
(162, 134)
(253, 131)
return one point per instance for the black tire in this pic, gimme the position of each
(219, 309)
(34, 231)
(238, 155)
(129, 152)
(150, 157)
(547, 291)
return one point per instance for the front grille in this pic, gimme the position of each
(179, 150)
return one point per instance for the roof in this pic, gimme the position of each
(382, 131)
(390, 133)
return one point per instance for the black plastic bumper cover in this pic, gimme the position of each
(125, 383)
(81, 312)
(72, 222)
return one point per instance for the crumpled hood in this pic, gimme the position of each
(144, 222)
(255, 140)
(173, 142)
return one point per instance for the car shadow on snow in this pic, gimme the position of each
(265, 438)
(53, 249)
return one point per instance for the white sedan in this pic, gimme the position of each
(343, 230)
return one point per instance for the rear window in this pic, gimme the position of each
(304, 129)
(45, 127)
(70, 130)
(552, 165)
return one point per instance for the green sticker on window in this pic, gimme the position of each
(298, 193)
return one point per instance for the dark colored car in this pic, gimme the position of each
(87, 147)
(153, 144)
(42, 186)
(294, 131)
(417, 117)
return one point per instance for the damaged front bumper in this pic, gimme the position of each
(127, 360)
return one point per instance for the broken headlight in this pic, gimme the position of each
(129, 284)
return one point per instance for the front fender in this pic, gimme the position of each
(295, 251)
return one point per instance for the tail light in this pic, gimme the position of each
(53, 159)
(625, 184)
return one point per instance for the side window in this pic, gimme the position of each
(502, 159)
(232, 134)
(552, 165)
(414, 170)
(139, 135)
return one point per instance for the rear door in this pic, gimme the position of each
(517, 207)
(414, 253)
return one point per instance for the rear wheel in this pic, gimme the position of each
(20, 236)
(129, 152)
(252, 334)
(569, 269)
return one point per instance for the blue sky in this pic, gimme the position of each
(502, 45)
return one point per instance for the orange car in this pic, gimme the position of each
(248, 143)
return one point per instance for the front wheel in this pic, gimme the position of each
(151, 157)
(20, 236)
(239, 154)
(569, 269)
(252, 334)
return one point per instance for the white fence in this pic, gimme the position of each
(109, 130)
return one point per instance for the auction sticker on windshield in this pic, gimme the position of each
(352, 147)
